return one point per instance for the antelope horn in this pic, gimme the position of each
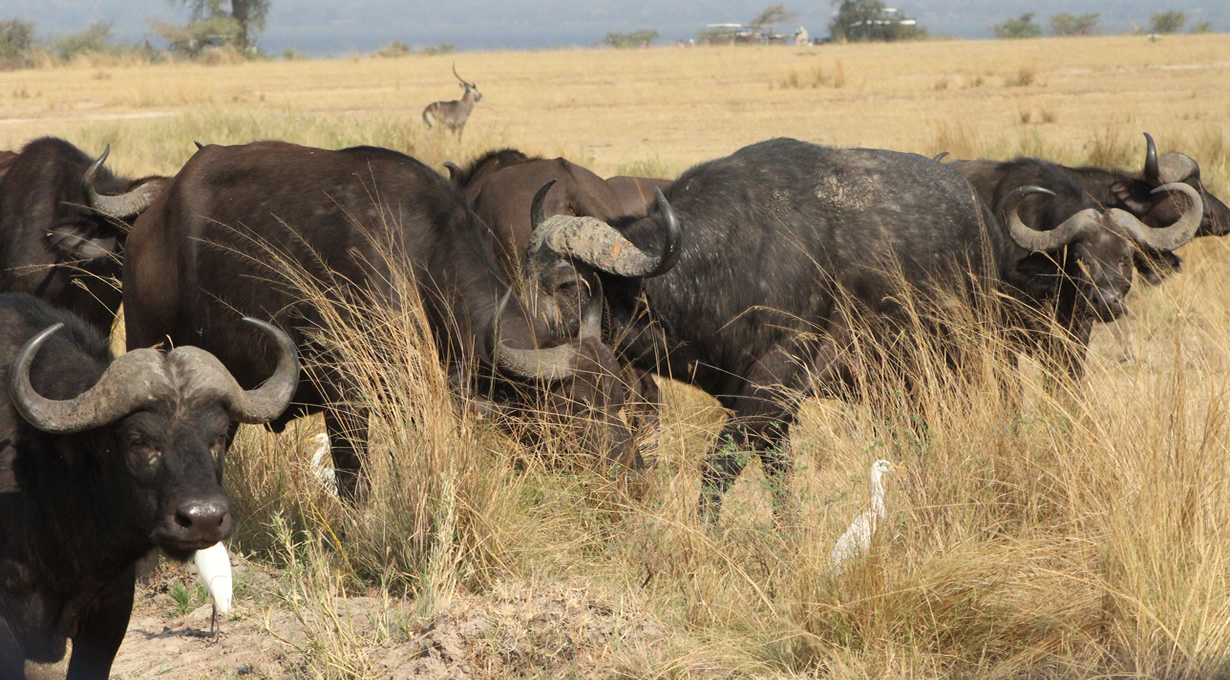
(939, 157)
(132, 380)
(121, 205)
(206, 375)
(548, 365)
(1164, 238)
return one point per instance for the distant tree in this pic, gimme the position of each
(190, 39)
(777, 14)
(1020, 27)
(858, 20)
(1074, 24)
(248, 15)
(95, 39)
(633, 39)
(852, 13)
(16, 43)
(395, 49)
(1202, 27)
(1170, 21)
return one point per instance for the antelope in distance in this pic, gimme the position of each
(453, 115)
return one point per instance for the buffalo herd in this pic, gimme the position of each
(762, 277)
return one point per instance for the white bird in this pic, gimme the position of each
(857, 537)
(322, 470)
(213, 565)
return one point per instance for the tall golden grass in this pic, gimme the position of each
(1054, 533)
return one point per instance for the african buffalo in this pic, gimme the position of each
(1079, 263)
(499, 185)
(790, 252)
(103, 460)
(513, 194)
(1133, 192)
(63, 221)
(200, 257)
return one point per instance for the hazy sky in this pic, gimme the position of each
(330, 27)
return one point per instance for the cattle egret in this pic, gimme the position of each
(322, 469)
(213, 564)
(857, 537)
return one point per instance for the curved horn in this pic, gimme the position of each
(130, 381)
(599, 245)
(454, 172)
(121, 205)
(1176, 167)
(205, 374)
(555, 363)
(538, 211)
(591, 316)
(1165, 238)
(1034, 240)
(672, 236)
(463, 80)
(939, 157)
(1150, 159)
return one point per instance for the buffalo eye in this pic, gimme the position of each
(218, 447)
(143, 450)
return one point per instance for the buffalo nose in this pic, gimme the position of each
(1111, 306)
(203, 517)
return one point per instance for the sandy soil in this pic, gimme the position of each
(513, 632)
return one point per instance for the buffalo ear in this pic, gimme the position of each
(1134, 195)
(75, 243)
(1155, 265)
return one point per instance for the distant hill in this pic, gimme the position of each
(327, 27)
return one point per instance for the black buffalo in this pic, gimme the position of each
(101, 461)
(1080, 262)
(790, 250)
(63, 221)
(1134, 193)
(199, 258)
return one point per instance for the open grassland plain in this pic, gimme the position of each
(1056, 532)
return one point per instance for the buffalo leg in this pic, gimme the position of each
(102, 631)
(760, 421)
(347, 432)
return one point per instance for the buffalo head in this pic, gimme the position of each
(1102, 244)
(565, 252)
(1138, 196)
(585, 388)
(166, 418)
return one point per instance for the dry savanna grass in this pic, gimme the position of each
(1056, 531)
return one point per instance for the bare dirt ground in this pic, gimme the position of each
(550, 632)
